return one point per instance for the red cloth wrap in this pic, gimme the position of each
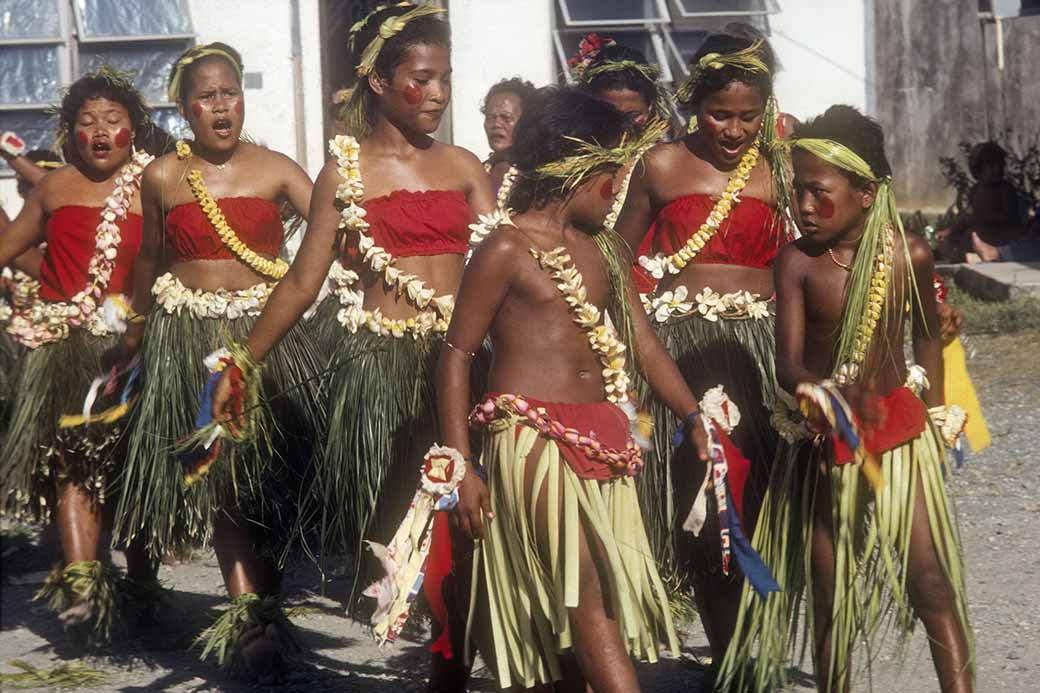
(641, 279)
(902, 416)
(737, 469)
(71, 238)
(750, 236)
(257, 223)
(428, 222)
(438, 568)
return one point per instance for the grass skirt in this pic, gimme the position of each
(529, 581)
(739, 355)
(38, 456)
(871, 533)
(258, 480)
(382, 419)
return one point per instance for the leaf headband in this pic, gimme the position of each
(193, 55)
(748, 59)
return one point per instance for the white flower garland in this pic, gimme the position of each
(434, 311)
(486, 223)
(174, 297)
(50, 321)
(710, 305)
(602, 337)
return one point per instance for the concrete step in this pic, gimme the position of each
(995, 281)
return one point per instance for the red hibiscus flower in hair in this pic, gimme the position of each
(588, 52)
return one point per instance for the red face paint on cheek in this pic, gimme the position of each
(606, 191)
(122, 138)
(196, 108)
(240, 107)
(825, 208)
(81, 138)
(412, 94)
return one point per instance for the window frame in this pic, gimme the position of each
(570, 23)
(71, 40)
(681, 13)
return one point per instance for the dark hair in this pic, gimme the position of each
(515, 85)
(106, 83)
(733, 38)
(188, 73)
(984, 154)
(846, 125)
(38, 155)
(627, 78)
(427, 30)
(422, 31)
(551, 116)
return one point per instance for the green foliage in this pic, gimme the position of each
(996, 317)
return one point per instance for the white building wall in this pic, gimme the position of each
(822, 49)
(494, 40)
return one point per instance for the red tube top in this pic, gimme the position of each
(71, 236)
(257, 222)
(750, 236)
(427, 222)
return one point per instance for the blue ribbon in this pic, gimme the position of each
(751, 564)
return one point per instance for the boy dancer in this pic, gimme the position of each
(843, 290)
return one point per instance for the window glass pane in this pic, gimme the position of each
(688, 42)
(170, 121)
(612, 10)
(29, 19)
(723, 6)
(37, 128)
(149, 64)
(29, 74)
(133, 17)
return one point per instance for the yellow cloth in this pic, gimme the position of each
(960, 390)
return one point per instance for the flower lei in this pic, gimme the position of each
(486, 223)
(173, 296)
(602, 337)
(434, 311)
(710, 305)
(883, 262)
(660, 263)
(49, 321)
(275, 269)
(628, 461)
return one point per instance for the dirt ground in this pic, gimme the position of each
(997, 495)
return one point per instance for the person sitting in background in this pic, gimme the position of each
(992, 229)
(502, 108)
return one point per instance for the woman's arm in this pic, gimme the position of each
(296, 186)
(927, 335)
(298, 289)
(25, 232)
(149, 256)
(479, 195)
(485, 284)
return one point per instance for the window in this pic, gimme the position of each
(667, 32)
(47, 44)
